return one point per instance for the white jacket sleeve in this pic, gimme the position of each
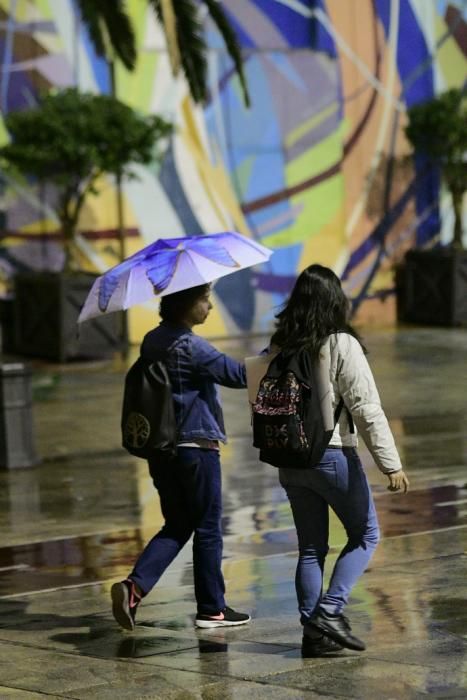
(358, 389)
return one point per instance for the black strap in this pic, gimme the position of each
(337, 414)
(337, 411)
(350, 419)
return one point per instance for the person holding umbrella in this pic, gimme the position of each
(189, 484)
(180, 270)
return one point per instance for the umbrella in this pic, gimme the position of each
(170, 265)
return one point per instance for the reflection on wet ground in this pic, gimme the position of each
(74, 524)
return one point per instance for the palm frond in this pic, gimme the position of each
(192, 45)
(120, 31)
(91, 18)
(170, 24)
(230, 39)
(110, 29)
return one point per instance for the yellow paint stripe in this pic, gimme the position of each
(450, 58)
(326, 246)
(300, 131)
(40, 226)
(190, 123)
(217, 183)
(136, 88)
(44, 8)
(316, 159)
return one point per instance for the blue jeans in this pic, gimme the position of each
(337, 481)
(189, 489)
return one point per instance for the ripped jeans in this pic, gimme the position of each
(339, 482)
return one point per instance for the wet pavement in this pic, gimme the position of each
(74, 524)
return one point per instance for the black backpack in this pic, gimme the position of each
(148, 417)
(287, 420)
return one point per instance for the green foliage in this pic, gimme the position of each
(192, 45)
(70, 139)
(76, 136)
(110, 29)
(230, 40)
(437, 129)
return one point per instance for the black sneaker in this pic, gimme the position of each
(125, 601)
(337, 627)
(318, 646)
(226, 618)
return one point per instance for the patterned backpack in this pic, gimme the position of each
(287, 419)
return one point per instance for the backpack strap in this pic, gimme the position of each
(332, 340)
(351, 423)
(337, 413)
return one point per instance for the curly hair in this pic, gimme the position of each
(317, 307)
(173, 306)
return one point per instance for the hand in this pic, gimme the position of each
(398, 481)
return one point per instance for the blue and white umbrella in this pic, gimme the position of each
(169, 265)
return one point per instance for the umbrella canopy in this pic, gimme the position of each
(170, 265)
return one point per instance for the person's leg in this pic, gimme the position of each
(207, 540)
(207, 548)
(350, 498)
(353, 504)
(169, 477)
(310, 513)
(176, 484)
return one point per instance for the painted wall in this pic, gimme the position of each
(308, 170)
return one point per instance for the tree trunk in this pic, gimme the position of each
(457, 196)
(68, 233)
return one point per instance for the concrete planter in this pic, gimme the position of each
(46, 311)
(432, 287)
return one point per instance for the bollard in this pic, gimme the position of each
(16, 431)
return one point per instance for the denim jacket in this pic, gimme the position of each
(195, 368)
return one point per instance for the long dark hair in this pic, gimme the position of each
(316, 308)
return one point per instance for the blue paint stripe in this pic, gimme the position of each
(170, 182)
(99, 65)
(293, 26)
(321, 40)
(412, 52)
(244, 38)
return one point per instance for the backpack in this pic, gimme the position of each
(148, 417)
(287, 420)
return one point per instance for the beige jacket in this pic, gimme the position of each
(344, 372)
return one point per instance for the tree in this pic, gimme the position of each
(111, 31)
(71, 139)
(110, 28)
(437, 131)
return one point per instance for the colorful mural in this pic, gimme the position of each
(310, 170)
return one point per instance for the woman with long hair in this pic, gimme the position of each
(316, 318)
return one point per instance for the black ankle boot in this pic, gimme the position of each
(337, 627)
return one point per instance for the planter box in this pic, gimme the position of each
(432, 287)
(16, 425)
(7, 325)
(46, 311)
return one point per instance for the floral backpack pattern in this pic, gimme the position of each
(287, 421)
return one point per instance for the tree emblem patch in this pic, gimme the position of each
(137, 430)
